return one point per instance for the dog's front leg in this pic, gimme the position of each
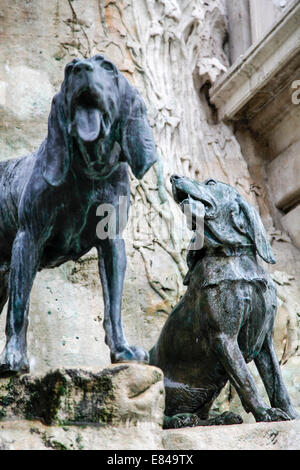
(112, 267)
(269, 369)
(233, 362)
(226, 306)
(24, 265)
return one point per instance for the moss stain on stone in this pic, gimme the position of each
(8, 396)
(45, 397)
(78, 440)
(96, 403)
(52, 443)
(48, 441)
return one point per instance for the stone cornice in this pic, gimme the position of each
(261, 72)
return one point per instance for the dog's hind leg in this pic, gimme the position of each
(269, 369)
(189, 407)
(24, 265)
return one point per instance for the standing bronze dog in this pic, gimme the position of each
(48, 200)
(226, 317)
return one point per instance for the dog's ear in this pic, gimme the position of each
(249, 222)
(57, 156)
(136, 135)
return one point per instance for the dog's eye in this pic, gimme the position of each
(98, 57)
(68, 68)
(210, 182)
(107, 66)
(71, 64)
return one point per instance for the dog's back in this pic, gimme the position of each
(3, 166)
(14, 174)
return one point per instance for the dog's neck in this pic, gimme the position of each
(96, 160)
(230, 251)
(194, 256)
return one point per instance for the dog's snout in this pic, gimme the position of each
(83, 65)
(174, 178)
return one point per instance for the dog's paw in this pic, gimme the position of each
(13, 363)
(226, 418)
(140, 354)
(181, 420)
(292, 413)
(272, 414)
(130, 354)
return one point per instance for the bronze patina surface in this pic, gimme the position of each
(226, 317)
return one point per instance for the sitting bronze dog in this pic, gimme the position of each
(49, 199)
(226, 317)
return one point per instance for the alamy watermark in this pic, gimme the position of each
(296, 94)
(147, 225)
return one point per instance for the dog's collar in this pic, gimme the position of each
(226, 251)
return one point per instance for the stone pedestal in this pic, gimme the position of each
(125, 393)
(119, 408)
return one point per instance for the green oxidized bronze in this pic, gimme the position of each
(226, 317)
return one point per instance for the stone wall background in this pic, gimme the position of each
(172, 51)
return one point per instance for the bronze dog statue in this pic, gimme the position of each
(49, 199)
(226, 317)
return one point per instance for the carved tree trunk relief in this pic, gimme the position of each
(172, 51)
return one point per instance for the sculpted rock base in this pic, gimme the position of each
(123, 394)
(119, 408)
(33, 435)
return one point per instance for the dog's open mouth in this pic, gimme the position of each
(87, 117)
(186, 197)
(179, 195)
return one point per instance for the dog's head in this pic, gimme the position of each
(95, 103)
(229, 220)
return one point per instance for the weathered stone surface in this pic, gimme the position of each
(239, 28)
(290, 222)
(264, 14)
(126, 393)
(261, 436)
(118, 408)
(32, 435)
(283, 174)
(258, 76)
